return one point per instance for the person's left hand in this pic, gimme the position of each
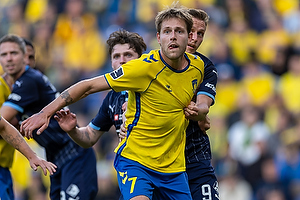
(45, 165)
(38, 121)
(123, 132)
(66, 120)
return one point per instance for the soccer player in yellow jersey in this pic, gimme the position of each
(161, 85)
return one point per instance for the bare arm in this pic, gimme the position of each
(11, 135)
(8, 113)
(69, 96)
(197, 111)
(84, 136)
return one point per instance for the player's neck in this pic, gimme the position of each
(177, 64)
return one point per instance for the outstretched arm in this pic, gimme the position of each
(11, 135)
(71, 95)
(84, 136)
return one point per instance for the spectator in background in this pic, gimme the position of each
(247, 140)
(13, 20)
(77, 39)
(288, 82)
(232, 185)
(270, 181)
(271, 40)
(78, 51)
(257, 83)
(288, 160)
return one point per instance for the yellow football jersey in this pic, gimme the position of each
(4, 91)
(6, 150)
(155, 116)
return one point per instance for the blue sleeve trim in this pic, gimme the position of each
(107, 82)
(14, 106)
(94, 127)
(207, 94)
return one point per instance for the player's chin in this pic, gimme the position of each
(190, 49)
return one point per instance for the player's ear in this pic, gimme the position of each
(158, 37)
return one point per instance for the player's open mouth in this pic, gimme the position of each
(191, 46)
(173, 46)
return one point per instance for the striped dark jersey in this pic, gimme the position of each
(31, 92)
(197, 143)
(110, 112)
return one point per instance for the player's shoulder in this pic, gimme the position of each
(31, 74)
(147, 62)
(205, 59)
(151, 57)
(195, 60)
(30, 78)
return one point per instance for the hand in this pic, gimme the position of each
(37, 161)
(66, 120)
(196, 112)
(39, 120)
(124, 106)
(123, 132)
(204, 124)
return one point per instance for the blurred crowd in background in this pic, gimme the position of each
(255, 46)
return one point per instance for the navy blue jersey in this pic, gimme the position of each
(197, 143)
(31, 92)
(110, 112)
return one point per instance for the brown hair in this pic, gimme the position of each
(174, 11)
(15, 39)
(199, 14)
(135, 41)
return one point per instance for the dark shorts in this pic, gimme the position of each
(77, 179)
(6, 184)
(203, 181)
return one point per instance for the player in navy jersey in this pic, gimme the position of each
(123, 46)
(76, 166)
(202, 180)
(30, 53)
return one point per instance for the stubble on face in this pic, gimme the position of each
(12, 59)
(173, 39)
